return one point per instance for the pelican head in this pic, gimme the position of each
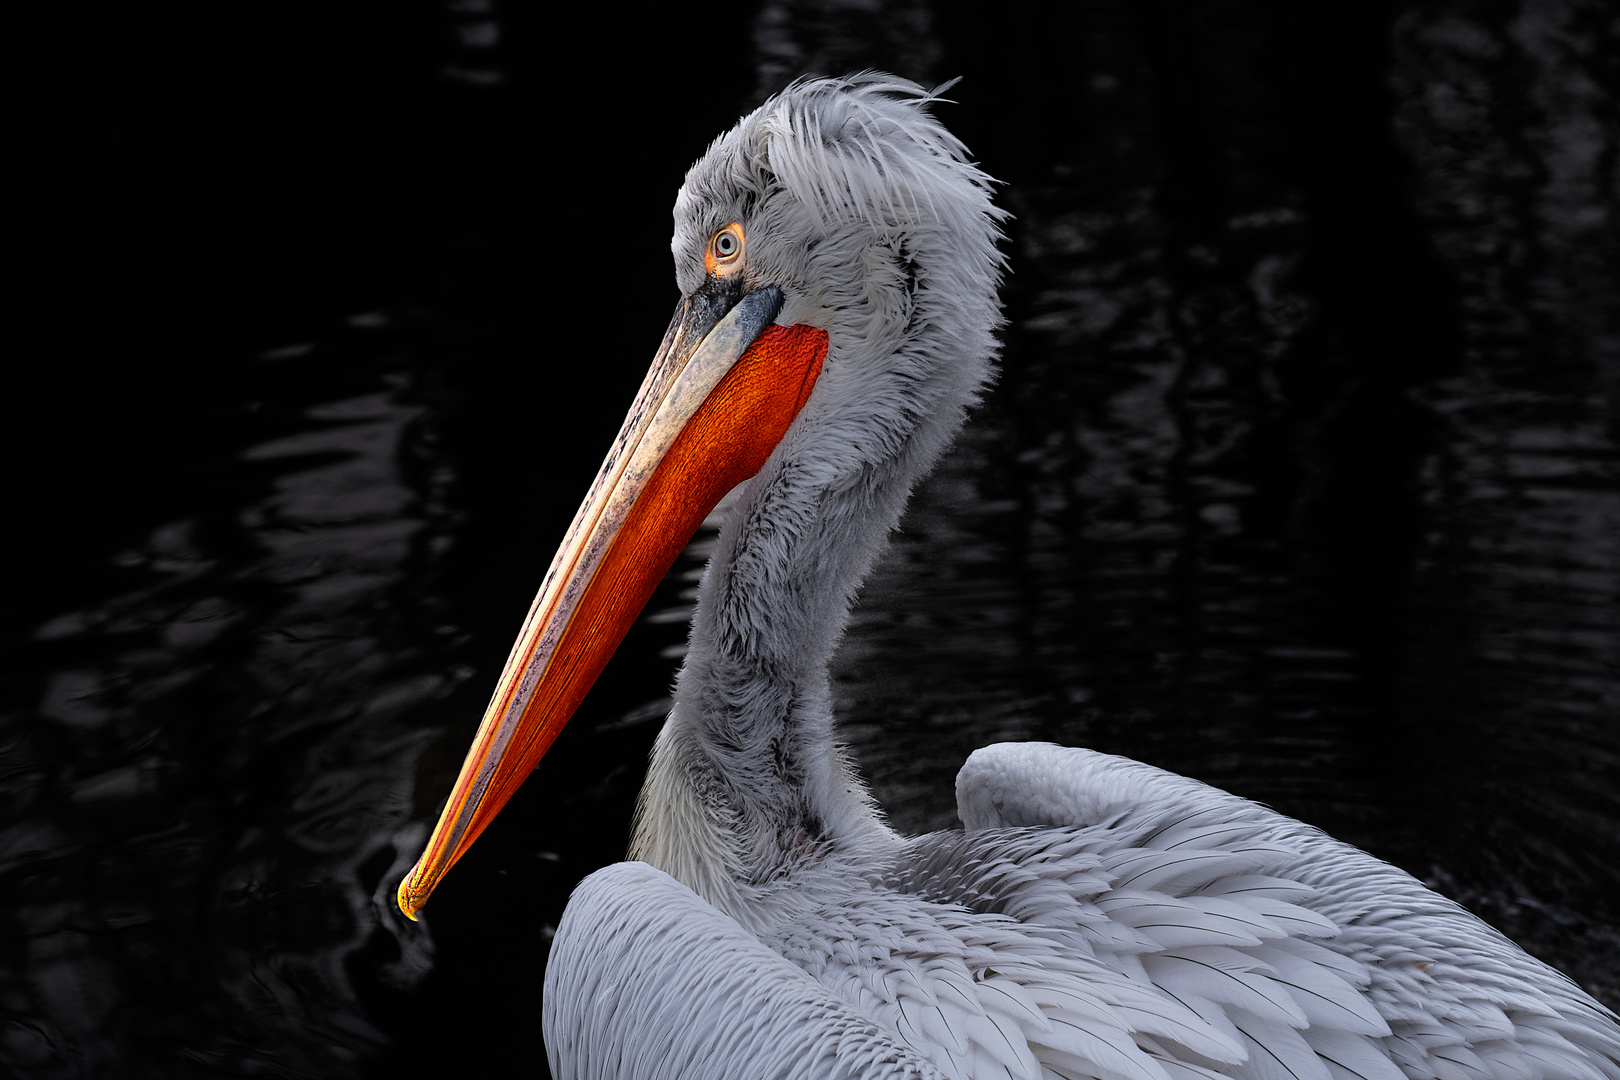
(836, 256)
(858, 204)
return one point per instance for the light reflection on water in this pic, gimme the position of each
(219, 771)
(1302, 477)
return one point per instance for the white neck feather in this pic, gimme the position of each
(747, 787)
(879, 230)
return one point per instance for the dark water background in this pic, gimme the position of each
(1302, 475)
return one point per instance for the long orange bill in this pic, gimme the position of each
(721, 393)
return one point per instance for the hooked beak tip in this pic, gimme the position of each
(405, 898)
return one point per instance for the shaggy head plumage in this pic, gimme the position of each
(869, 215)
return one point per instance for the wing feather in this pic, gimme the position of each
(1228, 910)
(1352, 1057)
(1277, 1051)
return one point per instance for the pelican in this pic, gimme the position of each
(1096, 917)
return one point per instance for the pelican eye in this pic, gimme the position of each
(727, 245)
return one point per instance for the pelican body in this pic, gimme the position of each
(1096, 917)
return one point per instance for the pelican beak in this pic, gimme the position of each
(723, 389)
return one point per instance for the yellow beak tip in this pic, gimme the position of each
(408, 905)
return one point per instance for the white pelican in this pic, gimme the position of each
(1097, 917)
